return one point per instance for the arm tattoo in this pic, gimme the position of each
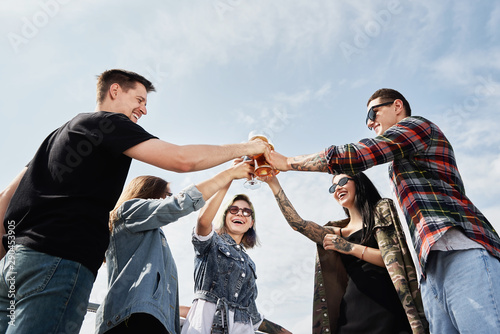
(312, 162)
(342, 245)
(270, 327)
(310, 229)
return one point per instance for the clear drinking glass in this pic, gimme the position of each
(253, 183)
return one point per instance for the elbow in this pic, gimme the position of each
(186, 167)
(186, 162)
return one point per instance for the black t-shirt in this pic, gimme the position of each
(62, 204)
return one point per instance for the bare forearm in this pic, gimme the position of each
(211, 186)
(201, 157)
(190, 158)
(310, 229)
(208, 212)
(311, 162)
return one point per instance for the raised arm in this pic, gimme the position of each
(190, 158)
(5, 197)
(310, 162)
(310, 229)
(239, 169)
(208, 212)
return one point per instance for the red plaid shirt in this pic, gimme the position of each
(426, 180)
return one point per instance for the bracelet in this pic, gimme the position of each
(363, 253)
(340, 232)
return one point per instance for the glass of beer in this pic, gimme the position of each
(263, 169)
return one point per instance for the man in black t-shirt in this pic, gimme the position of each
(55, 212)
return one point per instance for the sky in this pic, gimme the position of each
(301, 70)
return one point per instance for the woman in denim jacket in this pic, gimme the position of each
(225, 288)
(142, 275)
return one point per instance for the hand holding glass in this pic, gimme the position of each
(253, 183)
(263, 169)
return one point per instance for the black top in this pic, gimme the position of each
(370, 303)
(62, 204)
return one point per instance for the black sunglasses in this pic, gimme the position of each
(342, 182)
(372, 114)
(245, 211)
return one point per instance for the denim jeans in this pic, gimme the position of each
(461, 293)
(40, 293)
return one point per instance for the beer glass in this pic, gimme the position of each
(263, 169)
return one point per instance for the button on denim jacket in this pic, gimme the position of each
(225, 275)
(142, 275)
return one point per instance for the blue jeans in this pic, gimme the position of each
(40, 293)
(461, 293)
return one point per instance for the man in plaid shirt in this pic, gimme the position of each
(457, 247)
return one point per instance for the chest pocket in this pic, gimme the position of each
(229, 253)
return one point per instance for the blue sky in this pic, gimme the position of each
(302, 70)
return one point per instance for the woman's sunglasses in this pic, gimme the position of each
(245, 211)
(342, 182)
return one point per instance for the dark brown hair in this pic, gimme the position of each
(388, 95)
(126, 80)
(365, 200)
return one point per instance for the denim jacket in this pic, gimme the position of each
(225, 275)
(142, 275)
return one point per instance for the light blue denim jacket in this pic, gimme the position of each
(225, 275)
(142, 275)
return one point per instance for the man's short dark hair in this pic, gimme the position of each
(388, 95)
(126, 80)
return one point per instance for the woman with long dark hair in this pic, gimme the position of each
(365, 279)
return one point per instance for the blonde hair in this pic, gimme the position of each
(140, 187)
(250, 238)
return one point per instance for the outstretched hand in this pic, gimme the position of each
(241, 169)
(277, 160)
(258, 146)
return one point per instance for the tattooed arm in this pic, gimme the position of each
(310, 229)
(365, 253)
(311, 162)
(270, 327)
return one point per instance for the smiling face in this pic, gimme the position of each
(345, 195)
(131, 103)
(385, 116)
(237, 224)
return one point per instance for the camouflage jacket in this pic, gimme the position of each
(331, 278)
